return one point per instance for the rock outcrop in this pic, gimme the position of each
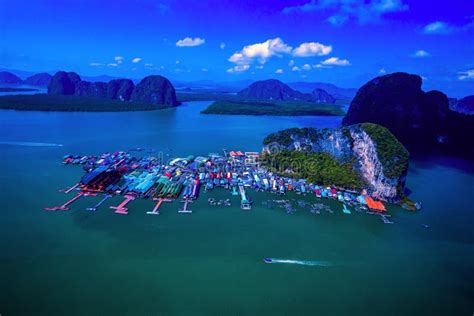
(120, 89)
(91, 89)
(374, 152)
(9, 78)
(155, 90)
(63, 83)
(272, 89)
(464, 105)
(41, 79)
(420, 120)
(321, 96)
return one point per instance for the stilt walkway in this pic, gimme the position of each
(66, 191)
(121, 209)
(185, 206)
(94, 208)
(64, 207)
(157, 206)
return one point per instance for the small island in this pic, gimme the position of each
(273, 97)
(67, 92)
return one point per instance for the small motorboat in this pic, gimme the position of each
(425, 225)
(267, 260)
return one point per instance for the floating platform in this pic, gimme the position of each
(121, 209)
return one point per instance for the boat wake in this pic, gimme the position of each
(299, 262)
(31, 144)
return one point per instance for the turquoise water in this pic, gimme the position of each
(211, 261)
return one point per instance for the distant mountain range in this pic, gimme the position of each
(337, 92)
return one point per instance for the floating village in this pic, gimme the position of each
(182, 179)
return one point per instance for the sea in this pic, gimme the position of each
(210, 262)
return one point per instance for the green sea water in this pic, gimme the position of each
(210, 262)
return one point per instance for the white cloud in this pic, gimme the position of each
(341, 10)
(335, 61)
(222, 45)
(291, 63)
(261, 51)
(204, 69)
(94, 64)
(312, 49)
(307, 67)
(382, 71)
(468, 74)
(295, 68)
(421, 54)
(136, 60)
(238, 68)
(259, 67)
(112, 65)
(279, 71)
(148, 65)
(177, 62)
(437, 27)
(119, 59)
(190, 42)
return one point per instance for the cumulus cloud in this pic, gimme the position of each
(468, 74)
(307, 67)
(295, 68)
(279, 71)
(119, 59)
(204, 69)
(94, 64)
(238, 68)
(222, 45)
(341, 10)
(260, 51)
(421, 54)
(312, 49)
(136, 60)
(190, 42)
(335, 61)
(382, 71)
(438, 27)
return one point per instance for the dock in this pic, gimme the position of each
(244, 203)
(95, 207)
(121, 209)
(185, 206)
(157, 206)
(64, 207)
(66, 191)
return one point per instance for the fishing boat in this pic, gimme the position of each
(267, 260)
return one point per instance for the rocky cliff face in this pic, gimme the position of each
(151, 90)
(120, 89)
(374, 152)
(9, 78)
(321, 96)
(63, 83)
(272, 89)
(421, 120)
(155, 90)
(41, 79)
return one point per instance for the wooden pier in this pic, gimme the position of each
(121, 209)
(185, 206)
(64, 207)
(94, 208)
(157, 206)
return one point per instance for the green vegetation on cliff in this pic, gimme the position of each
(48, 102)
(280, 108)
(393, 156)
(320, 168)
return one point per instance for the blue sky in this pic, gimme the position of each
(346, 42)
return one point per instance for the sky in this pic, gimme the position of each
(346, 42)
